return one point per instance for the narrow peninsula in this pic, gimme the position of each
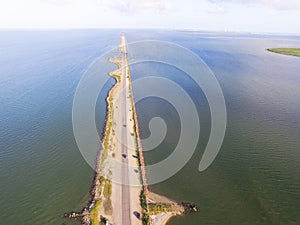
(286, 51)
(119, 193)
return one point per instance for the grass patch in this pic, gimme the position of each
(286, 51)
(109, 131)
(159, 208)
(94, 214)
(104, 155)
(107, 189)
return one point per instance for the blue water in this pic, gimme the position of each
(255, 178)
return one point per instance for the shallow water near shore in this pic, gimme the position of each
(255, 178)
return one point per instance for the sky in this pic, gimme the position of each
(270, 16)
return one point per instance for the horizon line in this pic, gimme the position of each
(148, 28)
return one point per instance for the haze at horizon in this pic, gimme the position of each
(213, 15)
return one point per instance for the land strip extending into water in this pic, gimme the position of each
(286, 51)
(119, 193)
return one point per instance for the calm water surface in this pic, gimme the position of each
(255, 178)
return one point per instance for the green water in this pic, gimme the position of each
(255, 178)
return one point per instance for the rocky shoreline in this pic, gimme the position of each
(83, 215)
(155, 209)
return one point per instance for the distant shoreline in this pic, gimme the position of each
(286, 51)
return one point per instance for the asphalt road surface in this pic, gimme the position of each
(125, 173)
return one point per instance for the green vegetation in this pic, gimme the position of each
(145, 219)
(107, 189)
(106, 186)
(109, 131)
(101, 180)
(286, 51)
(104, 155)
(159, 208)
(143, 200)
(94, 214)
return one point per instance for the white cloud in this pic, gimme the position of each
(217, 10)
(122, 6)
(283, 4)
(278, 4)
(135, 6)
(239, 15)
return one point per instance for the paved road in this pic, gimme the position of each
(126, 220)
